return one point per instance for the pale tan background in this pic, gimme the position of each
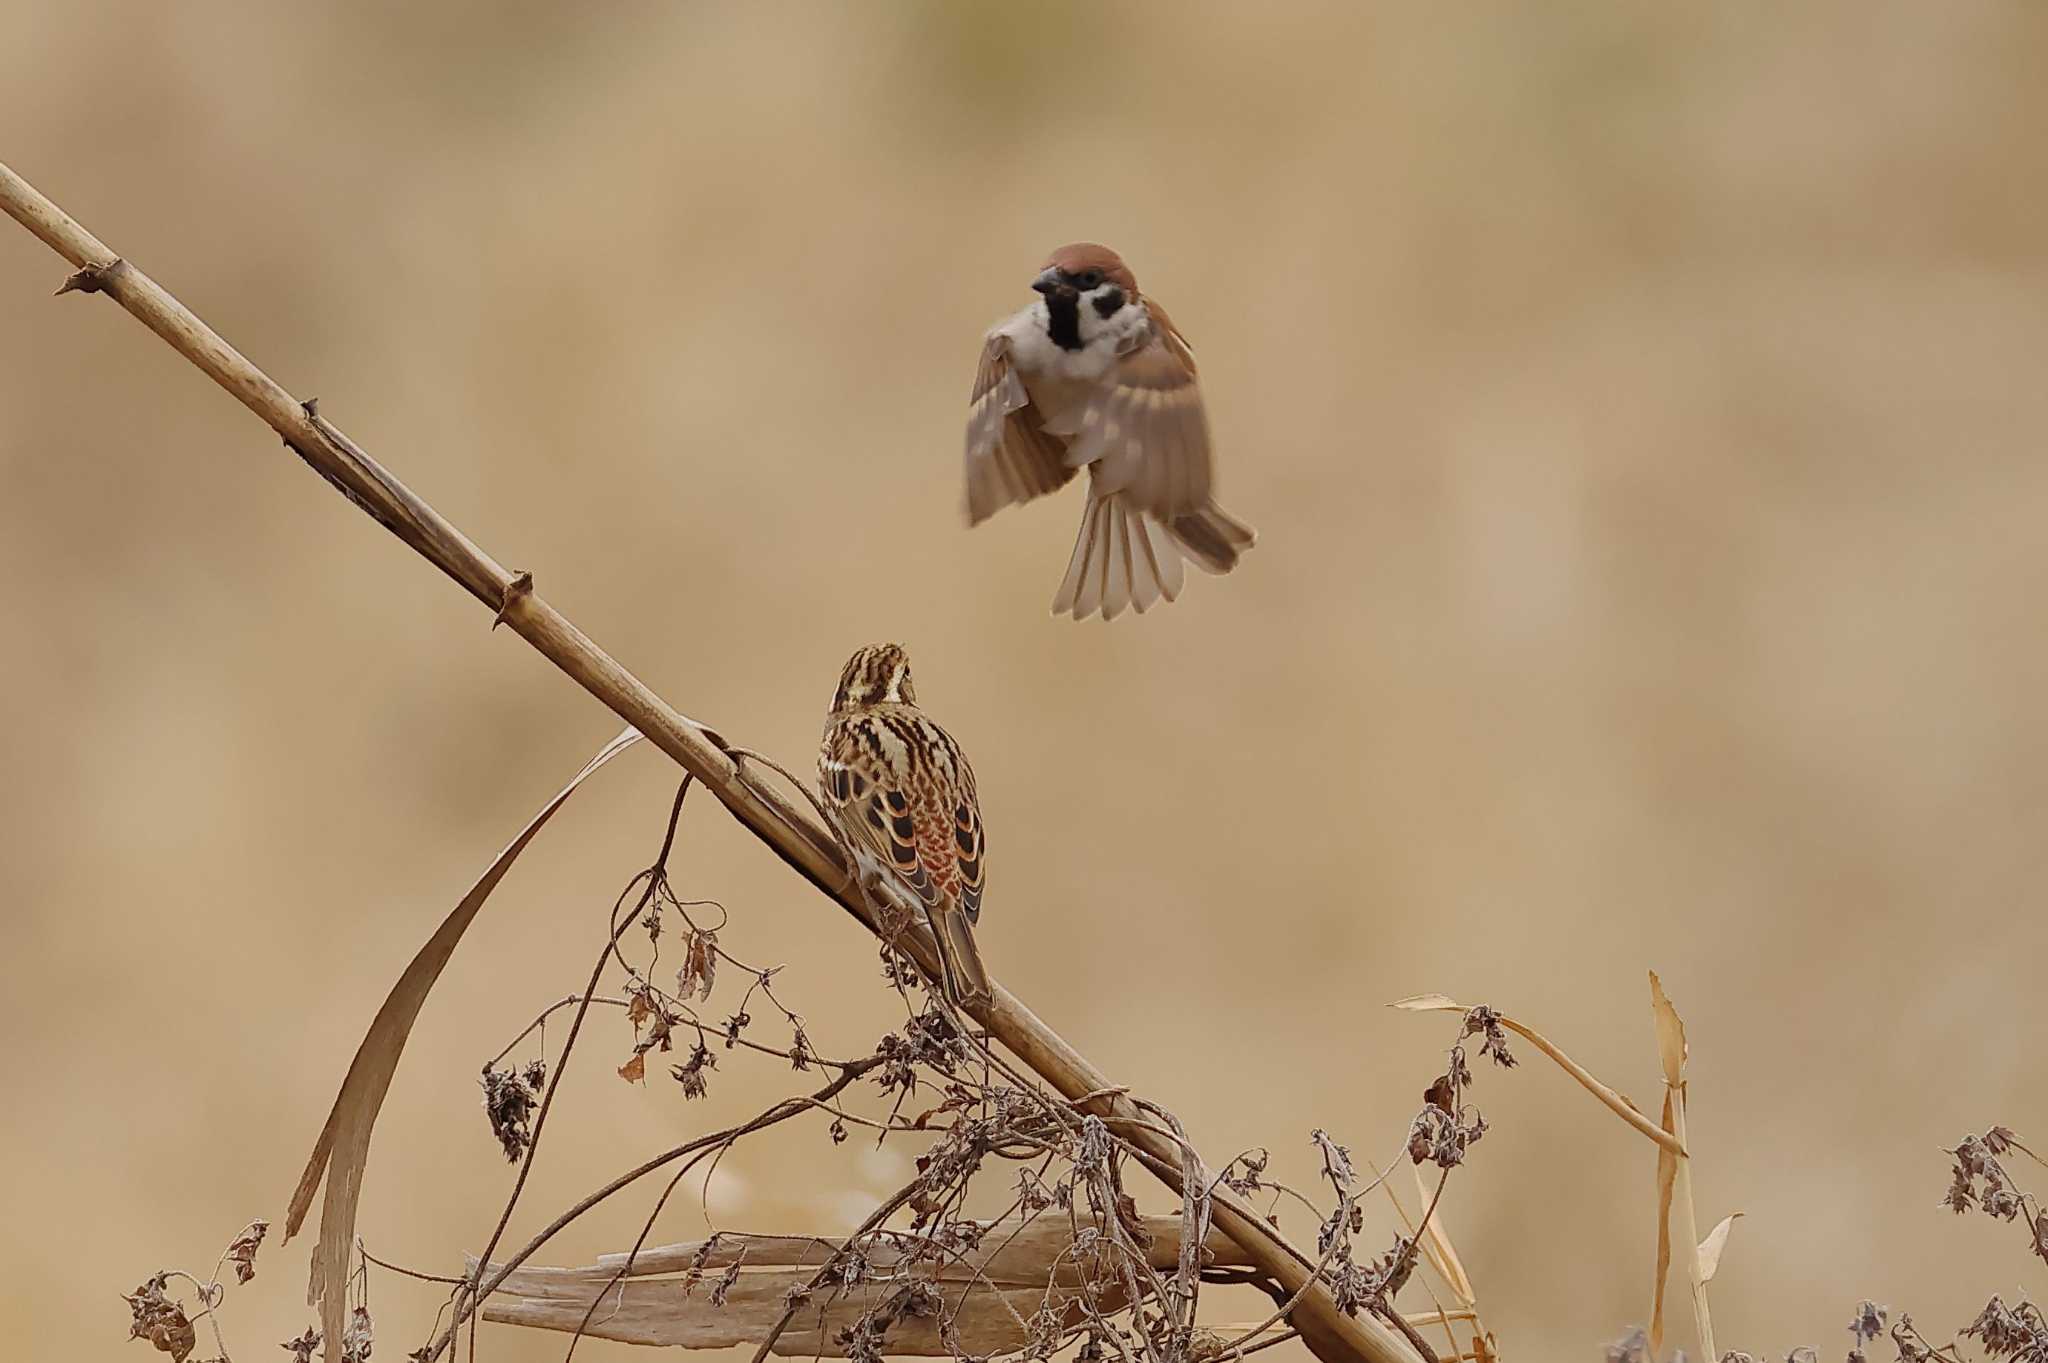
(1642, 412)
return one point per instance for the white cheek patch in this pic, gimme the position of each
(1119, 324)
(1102, 339)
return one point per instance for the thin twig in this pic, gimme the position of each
(403, 1271)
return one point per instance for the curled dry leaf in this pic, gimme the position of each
(699, 970)
(1711, 1247)
(344, 1144)
(634, 1071)
(242, 1253)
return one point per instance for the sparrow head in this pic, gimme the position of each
(876, 675)
(1089, 270)
(1084, 285)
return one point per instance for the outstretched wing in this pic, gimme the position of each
(899, 788)
(1145, 430)
(1010, 458)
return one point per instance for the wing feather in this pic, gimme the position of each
(970, 846)
(899, 788)
(1010, 456)
(1145, 431)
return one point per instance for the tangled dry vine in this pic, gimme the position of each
(1067, 1265)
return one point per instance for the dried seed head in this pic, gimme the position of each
(508, 1105)
(158, 1318)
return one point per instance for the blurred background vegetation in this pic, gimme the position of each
(1641, 408)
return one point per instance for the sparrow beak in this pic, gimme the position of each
(1048, 283)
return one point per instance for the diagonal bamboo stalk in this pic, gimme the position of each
(771, 815)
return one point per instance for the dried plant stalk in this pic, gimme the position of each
(764, 809)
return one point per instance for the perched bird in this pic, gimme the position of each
(902, 795)
(1094, 374)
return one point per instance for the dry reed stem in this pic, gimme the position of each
(769, 813)
(1671, 1052)
(1667, 1179)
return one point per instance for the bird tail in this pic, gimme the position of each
(1213, 538)
(1122, 558)
(966, 981)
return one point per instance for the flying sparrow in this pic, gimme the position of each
(900, 792)
(1094, 374)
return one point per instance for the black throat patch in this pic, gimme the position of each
(1063, 313)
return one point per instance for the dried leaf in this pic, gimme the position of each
(1670, 1034)
(344, 1142)
(1667, 1176)
(242, 1253)
(1671, 1051)
(634, 1071)
(699, 970)
(1429, 1003)
(1711, 1247)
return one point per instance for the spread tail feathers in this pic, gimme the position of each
(966, 982)
(1124, 558)
(1213, 538)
